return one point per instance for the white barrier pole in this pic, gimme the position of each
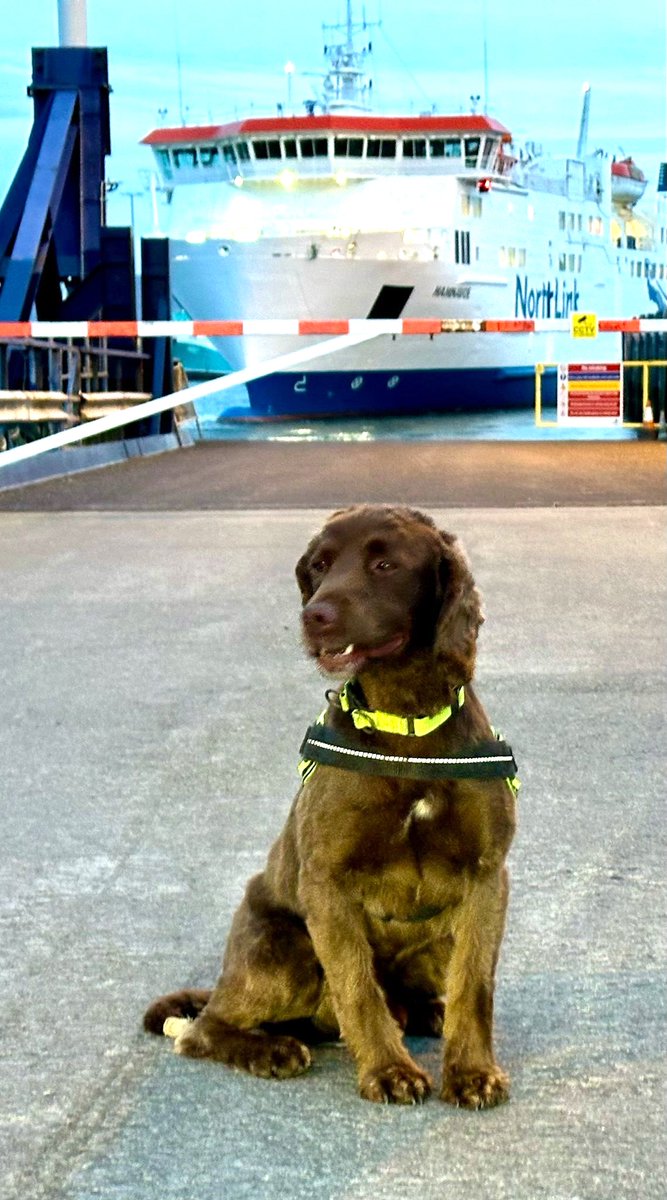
(129, 415)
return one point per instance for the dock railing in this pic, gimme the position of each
(646, 396)
(47, 382)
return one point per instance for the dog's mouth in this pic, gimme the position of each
(351, 660)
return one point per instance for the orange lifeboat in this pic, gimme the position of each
(628, 182)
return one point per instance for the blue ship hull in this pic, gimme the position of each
(384, 393)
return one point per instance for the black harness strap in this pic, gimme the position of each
(486, 760)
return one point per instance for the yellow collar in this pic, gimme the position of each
(372, 718)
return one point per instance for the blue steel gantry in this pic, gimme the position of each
(59, 260)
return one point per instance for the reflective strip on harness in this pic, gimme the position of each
(486, 760)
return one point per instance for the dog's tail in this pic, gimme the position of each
(187, 1003)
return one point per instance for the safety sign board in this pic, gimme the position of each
(590, 393)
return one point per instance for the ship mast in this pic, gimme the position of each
(346, 85)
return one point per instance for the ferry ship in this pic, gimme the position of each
(342, 212)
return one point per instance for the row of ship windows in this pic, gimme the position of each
(511, 256)
(647, 269)
(570, 220)
(574, 222)
(515, 256)
(277, 149)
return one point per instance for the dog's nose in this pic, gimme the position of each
(319, 617)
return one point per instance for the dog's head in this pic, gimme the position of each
(381, 582)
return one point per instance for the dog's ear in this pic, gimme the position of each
(460, 615)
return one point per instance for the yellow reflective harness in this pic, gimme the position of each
(484, 760)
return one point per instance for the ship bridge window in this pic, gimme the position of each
(185, 158)
(452, 147)
(289, 147)
(313, 147)
(242, 152)
(352, 147)
(208, 155)
(381, 148)
(266, 148)
(414, 148)
(489, 152)
(164, 161)
(471, 150)
(228, 153)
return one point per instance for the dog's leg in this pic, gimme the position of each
(472, 1078)
(270, 975)
(386, 1071)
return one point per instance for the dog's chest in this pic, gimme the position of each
(415, 871)
(421, 810)
(423, 844)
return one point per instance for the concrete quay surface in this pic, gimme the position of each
(153, 697)
(277, 475)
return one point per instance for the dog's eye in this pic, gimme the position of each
(383, 564)
(319, 566)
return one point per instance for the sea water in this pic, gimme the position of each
(227, 416)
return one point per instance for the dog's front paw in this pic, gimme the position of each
(402, 1083)
(475, 1089)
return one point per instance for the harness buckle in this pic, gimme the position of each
(363, 720)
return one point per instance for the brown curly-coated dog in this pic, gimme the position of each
(382, 904)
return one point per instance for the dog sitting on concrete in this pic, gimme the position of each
(382, 904)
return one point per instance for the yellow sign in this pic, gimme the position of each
(584, 325)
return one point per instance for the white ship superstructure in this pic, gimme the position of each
(345, 213)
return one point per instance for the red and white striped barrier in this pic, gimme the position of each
(407, 326)
(79, 433)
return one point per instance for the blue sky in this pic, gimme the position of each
(428, 52)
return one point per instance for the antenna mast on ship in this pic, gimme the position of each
(582, 141)
(347, 85)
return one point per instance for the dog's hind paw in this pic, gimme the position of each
(402, 1083)
(475, 1089)
(252, 1050)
